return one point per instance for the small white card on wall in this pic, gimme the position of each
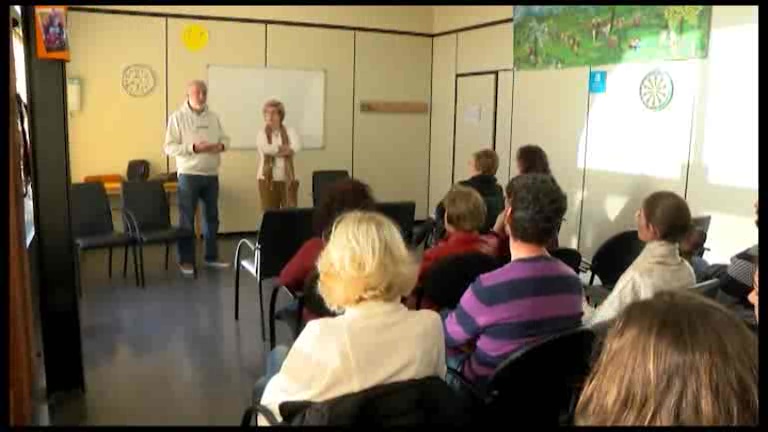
(472, 114)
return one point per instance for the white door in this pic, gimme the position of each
(475, 120)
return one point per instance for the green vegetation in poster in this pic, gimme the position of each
(566, 36)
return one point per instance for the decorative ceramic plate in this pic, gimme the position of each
(656, 90)
(138, 80)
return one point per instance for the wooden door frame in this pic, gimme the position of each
(21, 343)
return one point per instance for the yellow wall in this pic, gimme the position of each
(441, 129)
(111, 127)
(332, 51)
(447, 18)
(229, 43)
(485, 49)
(412, 19)
(392, 150)
(390, 67)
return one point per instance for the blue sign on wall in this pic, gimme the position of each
(597, 81)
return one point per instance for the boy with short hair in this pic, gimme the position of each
(484, 165)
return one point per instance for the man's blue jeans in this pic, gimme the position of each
(191, 189)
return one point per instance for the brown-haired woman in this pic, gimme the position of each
(675, 359)
(342, 196)
(532, 159)
(277, 144)
(662, 222)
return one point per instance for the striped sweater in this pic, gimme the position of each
(509, 308)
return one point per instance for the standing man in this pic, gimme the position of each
(195, 137)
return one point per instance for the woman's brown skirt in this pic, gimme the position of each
(278, 194)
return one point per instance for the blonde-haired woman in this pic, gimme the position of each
(676, 359)
(365, 269)
(277, 145)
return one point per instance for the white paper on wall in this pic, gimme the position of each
(472, 114)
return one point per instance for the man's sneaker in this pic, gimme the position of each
(217, 264)
(187, 269)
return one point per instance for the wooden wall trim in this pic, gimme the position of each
(21, 350)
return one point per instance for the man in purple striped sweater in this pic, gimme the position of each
(533, 296)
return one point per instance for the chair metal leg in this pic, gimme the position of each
(271, 317)
(125, 261)
(261, 312)
(141, 267)
(167, 251)
(135, 264)
(110, 263)
(237, 289)
(78, 265)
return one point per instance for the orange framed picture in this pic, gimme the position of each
(51, 32)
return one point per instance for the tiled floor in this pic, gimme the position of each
(170, 354)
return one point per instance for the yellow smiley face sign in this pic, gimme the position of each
(195, 37)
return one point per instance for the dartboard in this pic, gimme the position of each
(656, 90)
(138, 80)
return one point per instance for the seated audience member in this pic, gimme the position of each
(676, 359)
(689, 246)
(464, 217)
(342, 196)
(662, 221)
(533, 296)
(531, 159)
(365, 269)
(736, 281)
(483, 165)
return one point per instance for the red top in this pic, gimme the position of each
(301, 265)
(457, 243)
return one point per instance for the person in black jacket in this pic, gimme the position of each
(484, 165)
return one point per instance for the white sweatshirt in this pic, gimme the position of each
(185, 128)
(659, 267)
(278, 168)
(371, 344)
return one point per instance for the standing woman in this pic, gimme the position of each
(277, 144)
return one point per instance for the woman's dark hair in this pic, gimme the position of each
(669, 214)
(531, 159)
(343, 195)
(538, 205)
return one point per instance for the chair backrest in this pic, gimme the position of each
(422, 401)
(91, 213)
(138, 170)
(708, 288)
(281, 235)
(448, 278)
(571, 257)
(322, 179)
(702, 222)
(403, 213)
(148, 202)
(541, 384)
(614, 256)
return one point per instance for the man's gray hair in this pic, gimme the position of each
(199, 84)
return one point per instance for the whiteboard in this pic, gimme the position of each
(237, 94)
